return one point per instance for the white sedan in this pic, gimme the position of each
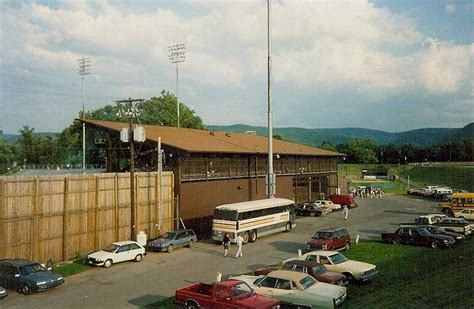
(467, 214)
(296, 289)
(338, 263)
(117, 252)
(328, 204)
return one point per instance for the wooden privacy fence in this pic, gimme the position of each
(66, 216)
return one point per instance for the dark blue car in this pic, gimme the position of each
(25, 276)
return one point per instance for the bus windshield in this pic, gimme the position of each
(224, 214)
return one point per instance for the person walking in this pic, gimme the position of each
(225, 244)
(345, 211)
(239, 240)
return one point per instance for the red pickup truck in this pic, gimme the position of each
(224, 294)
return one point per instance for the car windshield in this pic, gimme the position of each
(242, 290)
(31, 269)
(319, 269)
(338, 258)
(322, 235)
(110, 248)
(307, 281)
(169, 235)
(424, 232)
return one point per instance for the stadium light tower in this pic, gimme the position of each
(176, 54)
(84, 69)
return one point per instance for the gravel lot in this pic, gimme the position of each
(130, 284)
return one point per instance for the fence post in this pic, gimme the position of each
(96, 214)
(3, 219)
(65, 220)
(116, 208)
(34, 251)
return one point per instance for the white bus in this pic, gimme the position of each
(253, 219)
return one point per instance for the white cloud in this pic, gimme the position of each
(450, 8)
(445, 67)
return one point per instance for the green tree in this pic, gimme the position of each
(328, 146)
(7, 156)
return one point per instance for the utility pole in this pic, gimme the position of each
(176, 54)
(84, 69)
(271, 181)
(131, 112)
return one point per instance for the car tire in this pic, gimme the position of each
(253, 236)
(349, 277)
(396, 241)
(288, 227)
(191, 305)
(108, 263)
(170, 248)
(138, 258)
(190, 243)
(434, 245)
(311, 214)
(25, 289)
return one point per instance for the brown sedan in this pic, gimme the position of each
(313, 268)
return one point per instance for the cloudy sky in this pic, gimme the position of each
(384, 64)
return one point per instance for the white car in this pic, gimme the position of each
(338, 263)
(117, 252)
(296, 289)
(328, 204)
(467, 214)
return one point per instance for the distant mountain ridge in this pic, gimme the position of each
(421, 137)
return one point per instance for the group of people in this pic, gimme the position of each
(239, 240)
(367, 192)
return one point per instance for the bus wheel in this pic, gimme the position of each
(253, 236)
(246, 237)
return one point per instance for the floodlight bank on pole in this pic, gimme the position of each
(84, 69)
(176, 54)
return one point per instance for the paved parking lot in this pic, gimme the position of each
(130, 284)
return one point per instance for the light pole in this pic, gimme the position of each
(176, 54)
(271, 187)
(84, 69)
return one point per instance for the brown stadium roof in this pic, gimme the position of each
(202, 141)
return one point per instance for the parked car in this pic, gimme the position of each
(328, 204)
(329, 239)
(458, 225)
(344, 199)
(117, 252)
(297, 289)
(416, 235)
(171, 240)
(467, 214)
(224, 294)
(337, 262)
(3, 293)
(26, 276)
(311, 209)
(458, 237)
(318, 271)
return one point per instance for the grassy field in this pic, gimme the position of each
(413, 277)
(455, 176)
(458, 177)
(409, 277)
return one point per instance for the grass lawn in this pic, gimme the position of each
(409, 277)
(70, 269)
(412, 277)
(455, 176)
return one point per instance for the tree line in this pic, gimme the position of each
(367, 151)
